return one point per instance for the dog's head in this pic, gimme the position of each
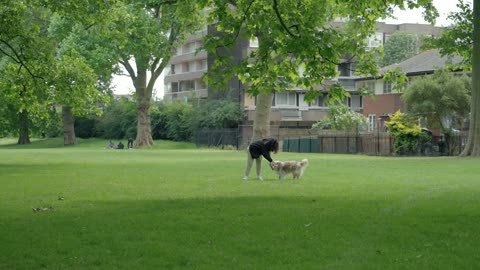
(304, 163)
(276, 165)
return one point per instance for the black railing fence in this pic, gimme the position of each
(308, 141)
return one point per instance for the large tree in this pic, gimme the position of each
(25, 54)
(463, 38)
(36, 76)
(300, 44)
(141, 36)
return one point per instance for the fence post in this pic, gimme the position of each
(348, 144)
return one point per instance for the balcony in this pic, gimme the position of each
(290, 114)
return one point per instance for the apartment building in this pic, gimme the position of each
(183, 78)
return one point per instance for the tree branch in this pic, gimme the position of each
(16, 57)
(129, 68)
(277, 12)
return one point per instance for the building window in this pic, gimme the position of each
(344, 69)
(356, 102)
(371, 86)
(201, 85)
(187, 86)
(254, 42)
(202, 64)
(189, 48)
(387, 87)
(174, 87)
(320, 101)
(286, 99)
(372, 122)
(188, 66)
(172, 69)
(375, 40)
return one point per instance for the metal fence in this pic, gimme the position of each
(221, 138)
(301, 140)
(371, 144)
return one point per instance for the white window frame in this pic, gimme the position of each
(372, 122)
(387, 87)
(289, 95)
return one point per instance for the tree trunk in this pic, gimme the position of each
(261, 122)
(24, 137)
(472, 148)
(144, 125)
(68, 126)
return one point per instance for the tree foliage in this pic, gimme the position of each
(141, 37)
(36, 76)
(341, 118)
(300, 45)
(442, 98)
(218, 114)
(463, 39)
(399, 47)
(409, 137)
(457, 39)
(118, 120)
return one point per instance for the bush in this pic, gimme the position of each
(343, 119)
(85, 127)
(119, 120)
(179, 120)
(409, 137)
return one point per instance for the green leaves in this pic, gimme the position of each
(341, 118)
(294, 34)
(458, 38)
(399, 47)
(397, 78)
(442, 95)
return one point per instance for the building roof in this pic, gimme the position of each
(427, 61)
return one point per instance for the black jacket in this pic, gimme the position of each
(262, 148)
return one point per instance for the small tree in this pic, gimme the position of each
(442, 98)
(409, 137)
(341, 118)
(399, 47)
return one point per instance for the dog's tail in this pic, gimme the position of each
(304, 162)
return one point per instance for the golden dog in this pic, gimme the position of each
(283, 168)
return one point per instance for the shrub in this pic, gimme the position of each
(343, 119)
(119, 120)
(409, 137)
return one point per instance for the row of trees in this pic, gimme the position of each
(176, 121)
(59, 53)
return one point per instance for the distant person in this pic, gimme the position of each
(120, 145)
(130, 143)
(111, 145)
(257, 149)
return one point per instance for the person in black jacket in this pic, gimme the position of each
(257, 149)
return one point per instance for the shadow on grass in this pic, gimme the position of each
(236, 233)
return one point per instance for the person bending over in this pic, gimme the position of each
(257, 149)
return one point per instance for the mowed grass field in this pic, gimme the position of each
(178, 207)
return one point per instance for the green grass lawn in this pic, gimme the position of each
(177, 207)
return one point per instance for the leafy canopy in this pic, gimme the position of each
(399, 47)
(441, 98)
(300, 42)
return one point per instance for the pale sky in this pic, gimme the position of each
(123, 84)
(415, 16)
